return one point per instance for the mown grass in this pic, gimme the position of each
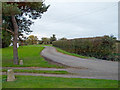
(37, 71)
(57, 82)
(29, 54)
(73, 54)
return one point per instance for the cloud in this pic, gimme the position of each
(78, 19)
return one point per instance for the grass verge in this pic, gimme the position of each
(73, 54)
(57, 82)
(29, 54)
(37, 71)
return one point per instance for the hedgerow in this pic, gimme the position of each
(99, 47)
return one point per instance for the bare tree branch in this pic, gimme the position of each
(7, 30)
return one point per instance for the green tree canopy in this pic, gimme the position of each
(45, 40)
(32, 39)
(6, 38)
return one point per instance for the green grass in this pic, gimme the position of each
(37, 71)
(29, 54)
(72, 54)
(57, 82)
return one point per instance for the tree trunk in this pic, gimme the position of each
(15, 37)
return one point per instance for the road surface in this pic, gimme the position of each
(83, 67)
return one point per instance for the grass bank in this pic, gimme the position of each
(57, 82)
(29, 54)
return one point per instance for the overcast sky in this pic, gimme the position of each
(77, 19)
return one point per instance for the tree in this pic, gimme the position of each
(53, 38)
(32, 39)
(40, 41)
(45, 40)
(6, 38)
(63, 38)
(13, 16)
(22, 40)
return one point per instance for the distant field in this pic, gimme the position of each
(57, 82)
(29, 54)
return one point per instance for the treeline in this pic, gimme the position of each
(23, 40)
(99, 47)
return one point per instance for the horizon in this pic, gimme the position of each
(76, 38)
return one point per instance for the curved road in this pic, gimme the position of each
(84, 67)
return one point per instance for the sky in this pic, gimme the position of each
(77, 19)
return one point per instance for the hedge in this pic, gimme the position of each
(99, 47)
